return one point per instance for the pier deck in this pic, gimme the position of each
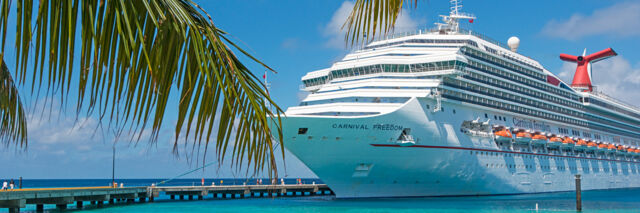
(61, 197)
(242, 190)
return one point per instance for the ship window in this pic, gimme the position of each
(454, 111)
(486, 116)
(302, 131)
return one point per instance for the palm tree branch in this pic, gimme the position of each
(371, 18)
(13, 122)
(133, 55)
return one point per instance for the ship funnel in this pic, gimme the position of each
(582, 77)
(514, 43)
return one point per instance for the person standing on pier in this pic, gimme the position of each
(11, 184)
(4, 185)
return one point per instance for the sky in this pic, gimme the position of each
(298, 36)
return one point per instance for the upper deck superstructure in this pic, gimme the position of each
(385, 73)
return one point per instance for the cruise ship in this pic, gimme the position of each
(451, 112)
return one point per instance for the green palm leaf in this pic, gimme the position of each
(13, 124)
(133, 55)
(371, 18)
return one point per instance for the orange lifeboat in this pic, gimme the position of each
(568, 143)
(554, 142)
(539, 139)
(637, 153)
(602, 148)
(503, 135)
(580, 145)
(592, 146)
(621, 150)
(630, 152)
(611, 148)
(523, 137)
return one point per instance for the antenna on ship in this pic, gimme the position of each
(451, 21)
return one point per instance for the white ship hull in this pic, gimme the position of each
(360, 157)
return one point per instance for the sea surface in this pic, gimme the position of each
(621, 200)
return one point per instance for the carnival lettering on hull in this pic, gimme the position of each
(381, 127)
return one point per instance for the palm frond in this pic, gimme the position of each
(371, 18)
(133, 55)
(13, 122)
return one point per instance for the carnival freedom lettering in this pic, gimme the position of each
(381, 127)
(350, 126)
(527, 124)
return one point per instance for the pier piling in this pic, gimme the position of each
(61, 206)
(578, 194)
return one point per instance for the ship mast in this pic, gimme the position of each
(450, 22)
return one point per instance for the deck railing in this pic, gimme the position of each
(462, 31)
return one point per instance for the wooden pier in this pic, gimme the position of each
(100, 196)
(241, 191)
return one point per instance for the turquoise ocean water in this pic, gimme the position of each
(623, 200)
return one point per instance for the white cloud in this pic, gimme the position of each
(619, 20)
(335, 34)
(57, 130)
(614, 77)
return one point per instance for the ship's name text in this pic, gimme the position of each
(382, 127)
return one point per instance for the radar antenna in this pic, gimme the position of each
(450, 22)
